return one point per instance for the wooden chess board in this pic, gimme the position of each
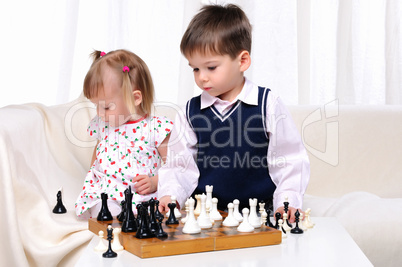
(217, 238)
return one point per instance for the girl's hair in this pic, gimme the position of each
(223, 30)
(137, 78)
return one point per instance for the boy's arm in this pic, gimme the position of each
(288, 162)
(179, 175)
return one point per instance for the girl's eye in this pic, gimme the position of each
(211, 68)
(196, 69)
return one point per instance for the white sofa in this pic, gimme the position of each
(356, 176)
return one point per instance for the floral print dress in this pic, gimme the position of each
(122, 153)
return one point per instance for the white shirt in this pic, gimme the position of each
(288, 162)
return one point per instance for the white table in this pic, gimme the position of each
(327, 244)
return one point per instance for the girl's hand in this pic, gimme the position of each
(291, 213)
(145, 184)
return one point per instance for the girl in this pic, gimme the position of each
(131, 144)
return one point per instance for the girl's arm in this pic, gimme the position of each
(94, 154)
(146, 184)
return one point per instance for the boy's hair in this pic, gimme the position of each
(137, 78)
(223, 30)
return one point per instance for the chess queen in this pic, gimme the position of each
(131, 144)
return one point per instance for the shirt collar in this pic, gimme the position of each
(248, 95)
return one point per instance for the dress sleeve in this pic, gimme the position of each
(94, 127)
(162, 127)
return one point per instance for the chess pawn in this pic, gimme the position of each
(59, 208)
(116, 245)
(215, 214)
(285, 226)
(101, 246)
(245, 226)
(158, 214)
(172, 218)
(197, 209)
(208, 190)
(160, 233)
(177, 213)
(230, 220)
(236, 212)
(253, 217)
(191, 226)
(280, 223)
(183, 220)
(203, 219)
(262, 207)
(296, 229)
(104, 213)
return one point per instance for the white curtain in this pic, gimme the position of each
(308, 51)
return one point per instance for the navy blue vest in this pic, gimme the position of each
(232, 151)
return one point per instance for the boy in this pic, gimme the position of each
(235, 136)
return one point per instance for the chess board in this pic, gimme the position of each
(217, 238)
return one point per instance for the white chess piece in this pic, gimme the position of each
(230, 220)
(197, 209)
(208, 190)
(236, 212)
(264, 216)
(203, 219)
(191, 226)
(253, 218)
(215, 214)
(183, 220)
(285, 226)
(245, 226)
(116, 245)
(307, 219)
(262, 207)
(177, 213)
(280, 228)
(101, 246)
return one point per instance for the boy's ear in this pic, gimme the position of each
(245, 60)
(137, 97)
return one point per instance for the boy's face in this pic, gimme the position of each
(110, 104)
(218, 75)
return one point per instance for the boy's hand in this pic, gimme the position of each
(145, 184)
(163, 204)
(291, 213)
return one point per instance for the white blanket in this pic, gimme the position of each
(36, 159)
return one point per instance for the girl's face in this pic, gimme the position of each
(219, 75)
(110, 104)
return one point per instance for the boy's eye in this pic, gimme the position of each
(196, 69)
(211, 68)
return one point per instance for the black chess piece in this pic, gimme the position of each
(296, 229)
(143, 230)
(160, 233)
(129, 222)
(153, 224)
(286, 209)
(122, 214)
(269, 223)
(104, 213)
(278, 215)
(158, 214)
(172, 218)
(59, 208)
(109, 253)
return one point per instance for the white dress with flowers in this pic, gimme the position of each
(122, 153)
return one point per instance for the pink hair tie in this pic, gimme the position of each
(102, 54)
(125, 68)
